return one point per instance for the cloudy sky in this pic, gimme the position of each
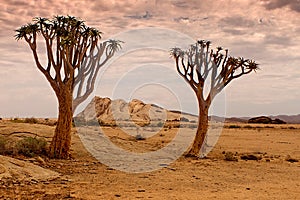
(267, 31)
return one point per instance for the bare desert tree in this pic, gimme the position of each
(74, 56)
(202, 67)
(85, 79)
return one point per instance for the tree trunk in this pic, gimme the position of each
(201, 131)
(61, 142)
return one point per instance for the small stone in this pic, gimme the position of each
(17, 163)
(33, 181)
(117, 195)
(170, 168)
(250, 157)
(141, 190)
(290, 159)
(40, 160)
(2, 169)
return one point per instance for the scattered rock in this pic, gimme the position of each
(2, 169)
(163, 165)
(117, 195)
(290, 159)
(250, 157)
(40, 160)
(33, 181)
(139, 137)
(141, 190)
(170, 168)
(195, 177)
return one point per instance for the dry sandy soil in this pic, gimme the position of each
(84, 177)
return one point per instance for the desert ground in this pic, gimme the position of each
(270, 171)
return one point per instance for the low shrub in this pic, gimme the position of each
(269, 127)
(31, 120)
(234, 126)
(2, 144)
(30, 146)
(229, 156)
(17, 120)
(6, 146)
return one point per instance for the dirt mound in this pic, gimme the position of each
(21, 170)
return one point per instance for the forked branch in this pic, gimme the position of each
(199, 62)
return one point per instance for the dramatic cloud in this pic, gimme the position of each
(274, 4)
(267, 31)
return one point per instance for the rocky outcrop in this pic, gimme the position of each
(21, 170)
(109, 111)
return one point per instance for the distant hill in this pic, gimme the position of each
(265, 120)
(290, 119)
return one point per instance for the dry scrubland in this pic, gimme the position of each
(226, 173)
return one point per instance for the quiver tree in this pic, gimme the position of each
(85, 79)
(202, 67)
(73, 58)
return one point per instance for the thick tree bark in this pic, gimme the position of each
(201, 131)
(61, 142)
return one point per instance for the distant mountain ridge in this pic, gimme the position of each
(290, 119)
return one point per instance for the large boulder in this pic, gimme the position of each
(21, 170)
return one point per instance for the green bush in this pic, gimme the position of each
(6, 146)
(30, 146)
(2, 144)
